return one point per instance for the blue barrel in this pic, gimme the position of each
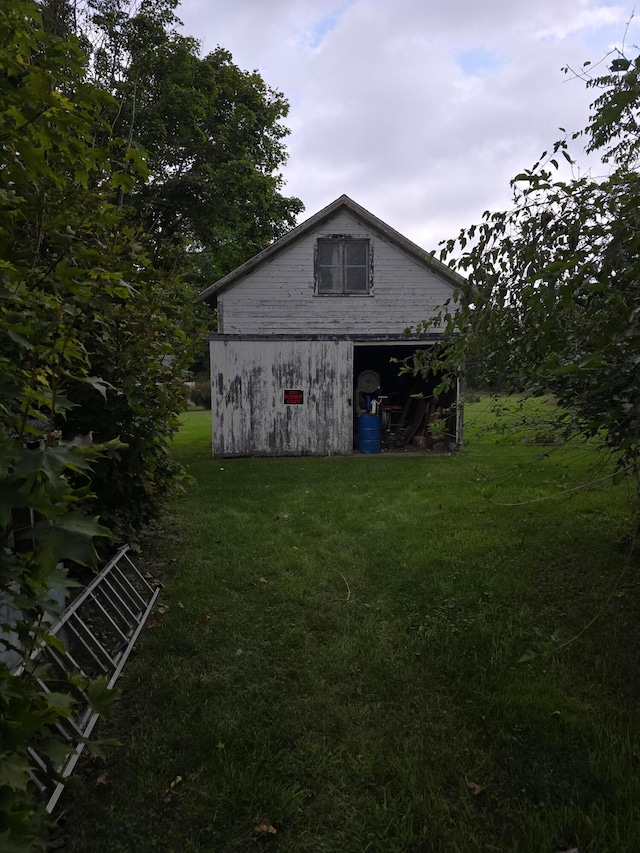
(368, 433)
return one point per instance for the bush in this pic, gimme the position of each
(201, 394)
(91, 345)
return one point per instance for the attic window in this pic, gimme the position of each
(343, 266)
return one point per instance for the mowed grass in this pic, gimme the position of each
(339, 660)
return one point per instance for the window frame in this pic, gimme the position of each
(342, 240)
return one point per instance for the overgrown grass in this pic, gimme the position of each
(339, 660)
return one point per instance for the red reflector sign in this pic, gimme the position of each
(293, 397)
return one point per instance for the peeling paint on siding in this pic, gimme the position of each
(280, 297)
(249, 414)
(295, 346)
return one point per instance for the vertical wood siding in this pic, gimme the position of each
(279, 298)
(248, 411)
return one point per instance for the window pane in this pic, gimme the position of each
(329, 280)
(356, 252)
(328, 252)
(356, 280)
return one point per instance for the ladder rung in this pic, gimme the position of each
(88, 646)
(131, 588)
(59, 661)
(119, 580)
(109, 597)
(98, 631)
(132, 616)
(110, 619)
(136, 571)
(133, 575)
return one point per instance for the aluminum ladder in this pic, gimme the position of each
(96, 634)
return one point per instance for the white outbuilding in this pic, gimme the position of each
(310, 335)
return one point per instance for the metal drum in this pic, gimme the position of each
(368, 433)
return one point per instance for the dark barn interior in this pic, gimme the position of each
(410, 415)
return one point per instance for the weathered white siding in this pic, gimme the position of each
(279, 298)
(248, 411)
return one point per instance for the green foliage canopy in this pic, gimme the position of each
(61, 248)
(95, 313)
(213, 134)
(213, 137)
(553, 295)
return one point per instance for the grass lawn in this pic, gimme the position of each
(337, 664)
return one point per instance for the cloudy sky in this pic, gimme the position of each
(420, 110)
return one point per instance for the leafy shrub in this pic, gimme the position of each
(87, 331)
(201, 394)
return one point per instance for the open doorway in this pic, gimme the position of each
(411, 417)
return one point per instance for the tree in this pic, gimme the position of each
(62, 244)
(214, 139)
(213, 136)
(92, 342)
(95, 323)
(553, 294)
(140, 349)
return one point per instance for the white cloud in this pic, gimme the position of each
(420, 110)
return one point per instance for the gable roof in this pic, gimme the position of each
(337, 206)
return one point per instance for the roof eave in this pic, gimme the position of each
(452, 277)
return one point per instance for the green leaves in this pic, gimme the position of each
(101, 697)
(14, 771)
(97, 324)
(620, 64)
(65, 253)
(66, 538)
(212, 140)
(555, 281)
